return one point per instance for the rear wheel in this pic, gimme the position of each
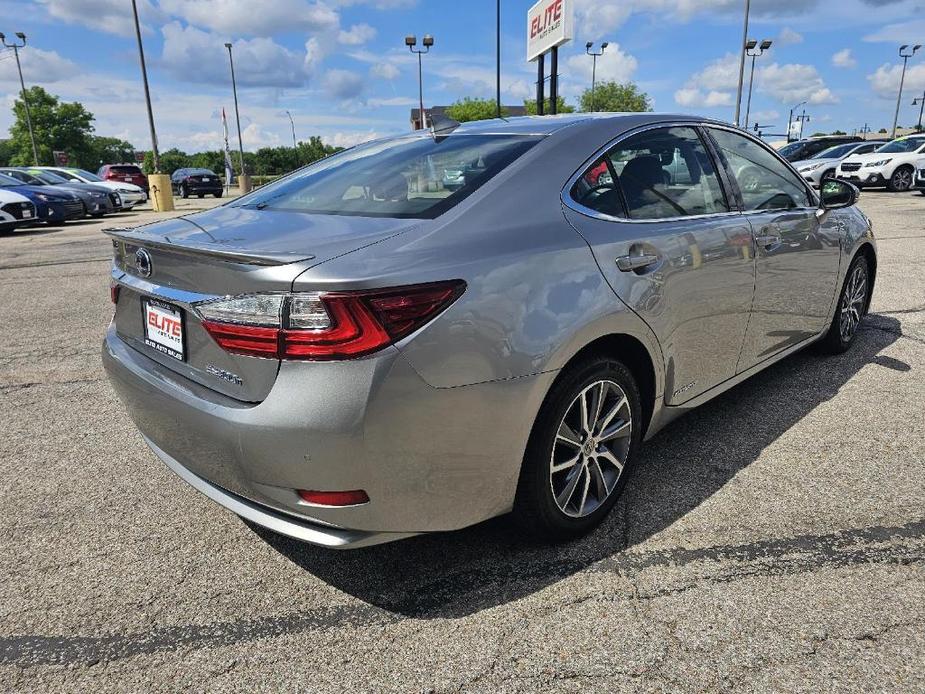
(852, 305)
(218, 194)
(184, 192)
(200, 195)
(901, 180)
(580, 452)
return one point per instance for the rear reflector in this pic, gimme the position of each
(352, 498)
(324, 326)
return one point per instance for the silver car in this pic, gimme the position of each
(354, 353)
(824, 165)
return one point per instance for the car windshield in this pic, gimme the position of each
(87, 176)
(909, 144)
(836, 152)
(393, 178)
(8, 181)
(67, 175)
(791, 149)
(48, 177)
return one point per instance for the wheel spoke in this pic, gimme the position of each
(599, 480)
(566, 494)
(611, 458)
(566, 435)
(608, 418)
(597, 402)
(584, 491)
(620, 429)
(583, 406)
(571, 462)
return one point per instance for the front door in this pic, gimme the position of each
(797, 250)
(656, 217)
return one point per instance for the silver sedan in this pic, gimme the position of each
(358, 352)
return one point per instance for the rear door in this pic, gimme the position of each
(673, 248)
(797, 250)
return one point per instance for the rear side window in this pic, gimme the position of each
(765, 182)
(657, 174)
(415, 177)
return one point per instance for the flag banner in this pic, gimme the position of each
(229, 169)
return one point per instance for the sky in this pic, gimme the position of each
(341, 68)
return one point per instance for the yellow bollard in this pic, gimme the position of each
(244, 183)
(161, 193)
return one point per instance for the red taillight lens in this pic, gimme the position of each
(339, 325)
(351, 498)
(114, 293)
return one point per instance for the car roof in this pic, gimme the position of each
(546, 125)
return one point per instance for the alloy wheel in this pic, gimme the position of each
(590, 448)
(902, 179)
(852, 303)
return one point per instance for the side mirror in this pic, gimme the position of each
(836, 194)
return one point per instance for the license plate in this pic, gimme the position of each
(206, 179)
(127, 179)
(27, 214)
(163, 328)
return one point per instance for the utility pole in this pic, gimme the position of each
(244, 181)
(905, 56)
(749, 47)
(411, 41)
(790, 120)
(498, 58)
(915, 102)
(802, 118)
(292, 123)
(594, 55)
(16, 46)
(742, 62)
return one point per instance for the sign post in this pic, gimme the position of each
(549, 25)
(61, 158)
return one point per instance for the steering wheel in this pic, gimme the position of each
(596, 191)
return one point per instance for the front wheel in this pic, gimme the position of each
(901, 180)
(580, 452)
(852, 306)
(184, 192)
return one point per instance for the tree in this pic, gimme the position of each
(469, 109)
(6, 151)
(108, 150)
(561, 106)
(615, 96)
(58, 126)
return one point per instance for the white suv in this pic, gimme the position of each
(892, 166)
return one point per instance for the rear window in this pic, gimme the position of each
(124, 169)
(417, 177)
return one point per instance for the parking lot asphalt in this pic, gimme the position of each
(773, 540)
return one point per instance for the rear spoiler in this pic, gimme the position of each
(137, 236)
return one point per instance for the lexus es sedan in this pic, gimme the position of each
(356, 353)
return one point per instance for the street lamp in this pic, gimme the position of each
(292, 123)
(905, 55)
(16, 46)
(594, 56)
(243, 181)
(790, 120)
(742, 62)
(753, 52)
(915, 102)
(411, 41)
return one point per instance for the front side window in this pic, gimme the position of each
(765, 182)
(412, 177)
(67, 175)
(657, 174)
(905, 145)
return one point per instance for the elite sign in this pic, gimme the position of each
(549, 24)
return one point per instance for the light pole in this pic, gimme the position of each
(244, 179)
(749, 48)
(915, 102)
(790, 120)
(803, 119)
(16, 46)
(292, 123)
(742, 62)
(905, 56)
(594, 56)
(411, 41)
(498, 58)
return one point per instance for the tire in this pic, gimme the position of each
(851, 308)
(902, 179)
(219, 194)
(543, 506)
(184, 193)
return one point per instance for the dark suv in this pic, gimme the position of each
(806, 149)
(198, 182)
(124, 173)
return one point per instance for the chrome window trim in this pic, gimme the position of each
(566, 192)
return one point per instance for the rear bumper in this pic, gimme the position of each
(430, 459)
(203, 188)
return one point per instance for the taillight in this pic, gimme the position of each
(324, 325)
(114, 292)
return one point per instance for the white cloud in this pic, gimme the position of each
(693, 97)
(112, 16)
(794, 82)
(357, 35)
(349, 139)
(844, 58)
(38, 66)
(393, 101)
(255, 137)
(245, 17)
(343, 84)
(788, 37)
(386, 71)
(712, 86)
(615, 65)
(466, 79)
(258, 62)
(885, 81)
(909, 31)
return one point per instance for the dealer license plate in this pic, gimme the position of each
(163, 328)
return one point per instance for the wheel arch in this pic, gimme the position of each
(867, 250)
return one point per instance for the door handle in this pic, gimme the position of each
(767, 240)
(631, 263)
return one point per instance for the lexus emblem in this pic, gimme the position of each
(143, 262)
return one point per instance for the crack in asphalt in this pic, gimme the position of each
(803, 553)
(48, 263)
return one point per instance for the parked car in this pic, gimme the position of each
(810, 147)
(51, 206)
(15, 210)
(891, 166)
(920, 176)
(96, 200)
(198, 182)
(129, 194)
(124, 173)
(825, 164)
(350, 355)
